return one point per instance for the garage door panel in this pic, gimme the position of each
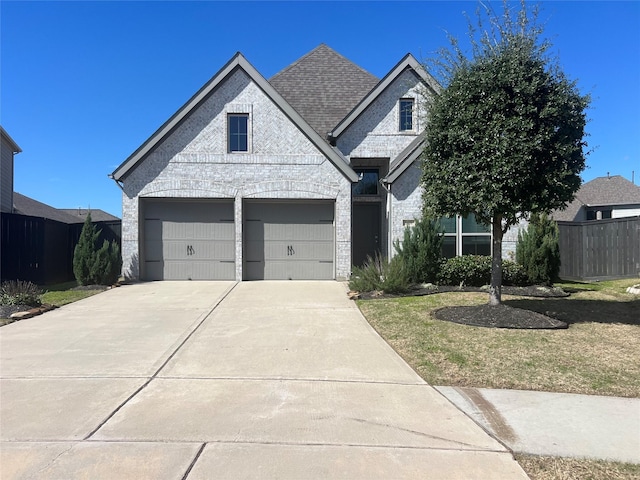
(196, 250)
(300, 270)
(301, 231)
(199, 231)
(198, 270)
(289, 241)
(189, 240)
(298, 251)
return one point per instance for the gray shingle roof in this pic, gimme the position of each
(599, 192)
(323, 87)
(24, 205)
(97, 215)
(614, 190)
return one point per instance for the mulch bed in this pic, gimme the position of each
(496, 316)
(419, 291)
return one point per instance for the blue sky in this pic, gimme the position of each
(83, 84)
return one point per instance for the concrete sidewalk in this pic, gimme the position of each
(555, 424)
(177, 380)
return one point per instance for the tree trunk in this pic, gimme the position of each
(495, 290)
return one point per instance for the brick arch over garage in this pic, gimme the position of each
(189, 189)
(290, 189)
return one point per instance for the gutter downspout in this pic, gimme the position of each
(388, 212)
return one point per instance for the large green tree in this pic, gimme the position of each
(505, 138)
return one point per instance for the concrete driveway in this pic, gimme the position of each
(199, 380)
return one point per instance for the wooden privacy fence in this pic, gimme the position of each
(40, 250)
(600, 249)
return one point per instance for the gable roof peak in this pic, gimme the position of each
(407, 62)
(238, 61)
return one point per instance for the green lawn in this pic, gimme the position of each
(63, 297)
(597, 354)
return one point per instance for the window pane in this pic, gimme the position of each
(406, 114)
(238, 133)
(367, 183)
(606, 214)
(476, 245)
(449, 247)
(470, 225)
(448, 224)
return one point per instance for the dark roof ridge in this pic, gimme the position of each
(316, 49)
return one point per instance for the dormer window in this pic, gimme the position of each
(406, 114)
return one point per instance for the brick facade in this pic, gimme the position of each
(192, 162)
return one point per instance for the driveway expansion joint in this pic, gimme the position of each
(193, 462)
(182, 343)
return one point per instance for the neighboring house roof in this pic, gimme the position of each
(408, 62)
(237, 62)
(609, 190)
(97, 215)
(601, 192)
(24, 205)
(7, 138)
(323, 87)
(405, 158)
(28, 206)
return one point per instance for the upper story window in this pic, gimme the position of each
(238, 129)
(367, 181)
(406, 114)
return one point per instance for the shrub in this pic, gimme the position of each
(514, 274)
(421, 251)
(84, 255)
(467, 270)
(17, 292)
(538, 250)
(107, 264)
(379, 274)
(394, 278)
(95, 266)
(475, 271)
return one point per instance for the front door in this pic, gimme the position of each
(366, 238)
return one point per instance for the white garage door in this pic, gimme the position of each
(288, 241)
(188, 240)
